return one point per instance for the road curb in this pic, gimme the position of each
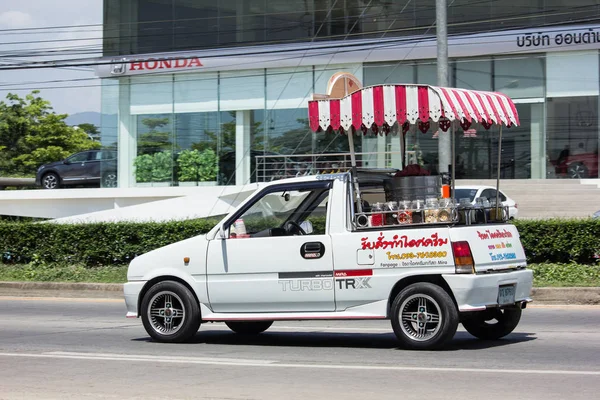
(545, 295)
(567, 295)
(61, 289)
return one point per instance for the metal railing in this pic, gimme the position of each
(274, 167)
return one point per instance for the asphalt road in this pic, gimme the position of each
(81, 349)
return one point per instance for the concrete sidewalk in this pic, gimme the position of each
(576, 295)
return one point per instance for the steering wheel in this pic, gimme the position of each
(291, 227)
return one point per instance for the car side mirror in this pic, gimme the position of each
(307, 227)
(66, 162)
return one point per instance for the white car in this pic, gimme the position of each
(267, 262)
(489, 192)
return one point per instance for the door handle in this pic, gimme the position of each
(312, 250)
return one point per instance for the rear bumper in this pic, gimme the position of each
(478, 292)
(132, 290)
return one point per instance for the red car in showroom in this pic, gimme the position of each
(577, 166)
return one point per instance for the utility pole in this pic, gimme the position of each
(442, 78)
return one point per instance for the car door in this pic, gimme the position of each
(93, 165)
(73, 169)
(265, 264)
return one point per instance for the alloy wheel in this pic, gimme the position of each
(421, 317)
(50, 181)
(166, 312)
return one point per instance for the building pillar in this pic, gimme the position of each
(381, 149)
(127, 139)
(242, 147)
(538, 142)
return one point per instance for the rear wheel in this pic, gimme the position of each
(109, 180)
(424, 316)
(577, 171)
(170, 312)
(249, 327)
(50, 181)
(492, 324)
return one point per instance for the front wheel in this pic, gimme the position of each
(492, 324)
(249, 327)
(170, 312)
(424, 316)
(51, 181)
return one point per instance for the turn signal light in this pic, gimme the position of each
(463, 258)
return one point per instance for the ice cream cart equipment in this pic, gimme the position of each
(403, 107)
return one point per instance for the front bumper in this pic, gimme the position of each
(479, 292)
(132, 290)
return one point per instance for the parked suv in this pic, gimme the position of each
(86, 168)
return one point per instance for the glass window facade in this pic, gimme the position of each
(244, 126)
(558, 135)
(148, 26)
(255, 122)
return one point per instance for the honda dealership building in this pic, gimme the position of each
(201, 92)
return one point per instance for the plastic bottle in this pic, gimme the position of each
(240, 227)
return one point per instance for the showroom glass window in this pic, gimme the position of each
(146, 26)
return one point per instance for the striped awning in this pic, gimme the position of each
(382, 106)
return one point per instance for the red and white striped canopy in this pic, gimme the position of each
(387, 104)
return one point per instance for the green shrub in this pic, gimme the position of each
(560, 240)
(91, 244)
(143, 168)
(189, 162)
(549, 241)
(153, 168)
(207, 169)
(162, 167)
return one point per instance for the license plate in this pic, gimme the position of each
(506, 294)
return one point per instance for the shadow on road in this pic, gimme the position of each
(461, 341)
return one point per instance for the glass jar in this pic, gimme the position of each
(446, 210)
(480, 211)
(391, 208)
(432, 209)
(417, 207)
(404, 213)
(377, 216)
(497, 214)
(464, 211)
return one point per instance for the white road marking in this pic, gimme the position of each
(276, 364)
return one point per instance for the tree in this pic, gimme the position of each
(156, 139)
(227, 136)
(32, 134)
(92, 131)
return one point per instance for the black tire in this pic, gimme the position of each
(109, 180)
(492, 324)
(51, 180)
(249, 327)
(161, 307)
(421, 328)
(577, 171)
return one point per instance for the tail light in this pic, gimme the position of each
(463, 258)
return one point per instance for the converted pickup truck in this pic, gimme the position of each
(314, 248)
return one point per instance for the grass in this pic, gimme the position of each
(63, 273)
(565, 275)
(544, 275)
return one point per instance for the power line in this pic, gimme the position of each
(323, 48)
(576, 10)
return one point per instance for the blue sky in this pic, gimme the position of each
(25, 14)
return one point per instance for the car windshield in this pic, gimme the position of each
(465, 193)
